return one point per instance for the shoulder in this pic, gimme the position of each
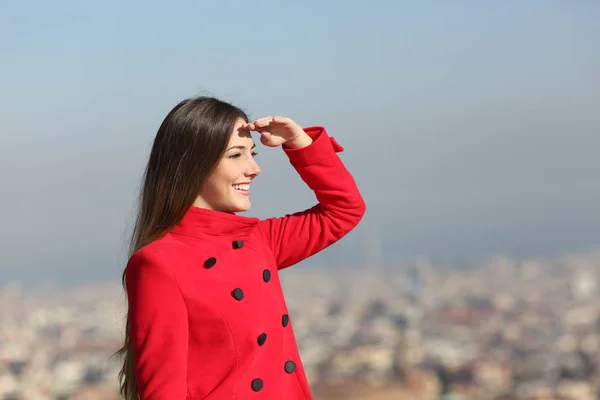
(151, 284)
(151, 252)
(151, 259)
(171, 255)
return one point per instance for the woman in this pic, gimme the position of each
(207, 317)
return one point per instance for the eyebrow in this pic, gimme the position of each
(241, 147)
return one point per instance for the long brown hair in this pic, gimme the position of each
(189, 143)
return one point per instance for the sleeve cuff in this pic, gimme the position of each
(322, 146)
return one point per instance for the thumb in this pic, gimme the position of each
(265, 138)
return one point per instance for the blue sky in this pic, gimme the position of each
(472, 128)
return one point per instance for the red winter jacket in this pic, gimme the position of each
(207, 314)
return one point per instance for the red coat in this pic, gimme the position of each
(207, 313)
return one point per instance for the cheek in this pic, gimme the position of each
(229, 172)
(222, 179)
(214, 186)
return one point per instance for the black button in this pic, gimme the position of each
(266, 275)
(285, 320)
(257, 385)
(262, 338)
(210, 262)
(238, 244)
(290, 367)
(238, 294)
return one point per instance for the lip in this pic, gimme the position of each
(242, 192)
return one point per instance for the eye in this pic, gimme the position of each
(238, 155)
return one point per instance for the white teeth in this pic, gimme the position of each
(245, 186)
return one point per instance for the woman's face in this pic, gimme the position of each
(227, 189)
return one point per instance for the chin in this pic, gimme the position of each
(245, 208)
(240, 207)
(235, 203)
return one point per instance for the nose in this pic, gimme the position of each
(253, 169)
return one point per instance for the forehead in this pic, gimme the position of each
(240, 137)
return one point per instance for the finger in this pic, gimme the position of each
(282, 120)
(248, 126)
(262, 125)
(265, 138)
(263, 122)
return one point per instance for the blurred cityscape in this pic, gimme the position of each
(498, 329)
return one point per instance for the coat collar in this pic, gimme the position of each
(199, 222)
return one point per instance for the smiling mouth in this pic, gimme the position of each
(242, 187)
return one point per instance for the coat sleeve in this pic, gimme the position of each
(158, 329)
(340, 207)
